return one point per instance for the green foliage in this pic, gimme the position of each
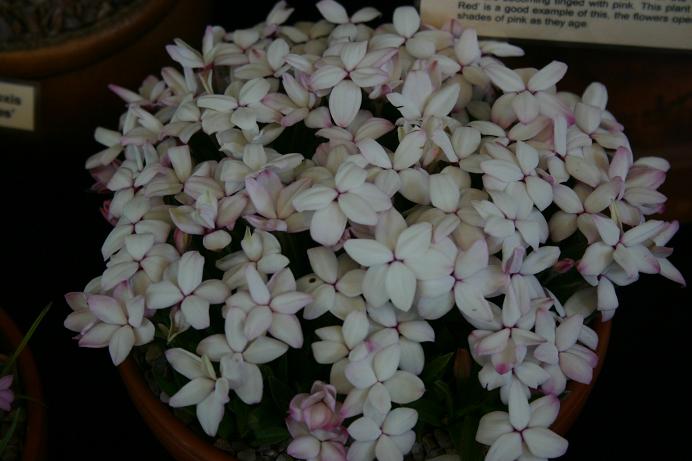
(436, 368)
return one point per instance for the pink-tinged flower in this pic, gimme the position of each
(352, 198)
(346, 27)
(272, 203)
(527, 94)
(111, 140)
(512, 218)
(387, 438)
(412, 332)
(628, 252)
(81, 318)
(505, 339)
(142, 225)
(140, 261)
(560, 352)
(270, 306)
(397, 257)
(474, 280)
(521, 166)
(205, 390)
(318, 410)
(120, 323)
(364, 128)
(522, 433)
(661, 252)
(239, 356)
(6, 393)
(336, 284)
(298, 102)
(346, 75)
(184, 284)
(243, 108)
(259, 249)
(314, 421)
(419, 99)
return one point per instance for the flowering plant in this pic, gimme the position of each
(340, 227)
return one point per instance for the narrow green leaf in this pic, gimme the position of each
(435, 369)
(470, 449)
(8, 436)
(25, 339)
(444, 393)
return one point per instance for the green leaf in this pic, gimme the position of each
(225, 428)
(264, 415)
(469, 449)
(13, 427)
(25, 340)
(241, 411)
(444, 393)
(271, 435)
(435, 369)
(429, 411)
(280, 393)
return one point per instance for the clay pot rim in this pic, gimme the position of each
(172, 432)
(93, 43)
(35, 426)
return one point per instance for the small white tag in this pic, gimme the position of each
(652, 23)
(17, 106)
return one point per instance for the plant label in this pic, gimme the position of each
(18, 105)
(653, 23)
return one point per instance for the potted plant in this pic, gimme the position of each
(22, 414)
(333, 241)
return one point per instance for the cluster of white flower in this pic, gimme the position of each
(465, 198)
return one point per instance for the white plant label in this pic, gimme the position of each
(652, 23)
(17, 106)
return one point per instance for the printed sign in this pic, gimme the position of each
(17, 105)
(652, 23)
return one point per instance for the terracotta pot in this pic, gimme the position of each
(176, 437)
(72, 74)
(34, 443)
(184, 445)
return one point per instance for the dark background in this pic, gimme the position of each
(52, 232)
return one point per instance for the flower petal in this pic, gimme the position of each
(404, 387)
(344, 102)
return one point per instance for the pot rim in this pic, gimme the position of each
(172, 432)
(34, 446)
(95, 44)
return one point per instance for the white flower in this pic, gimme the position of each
(351, 198)
(522, 433)
(273, 203)
(205, 390)
(346, 26)
(335, 285)
(419, 100)
(561, 353)
(270, 307)
(258, 248)
(396, 258)
(121, 323)
(185, 285)
(140, 259)
(412, 331)
(526, 95)
(390, 438)
(239, 356)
